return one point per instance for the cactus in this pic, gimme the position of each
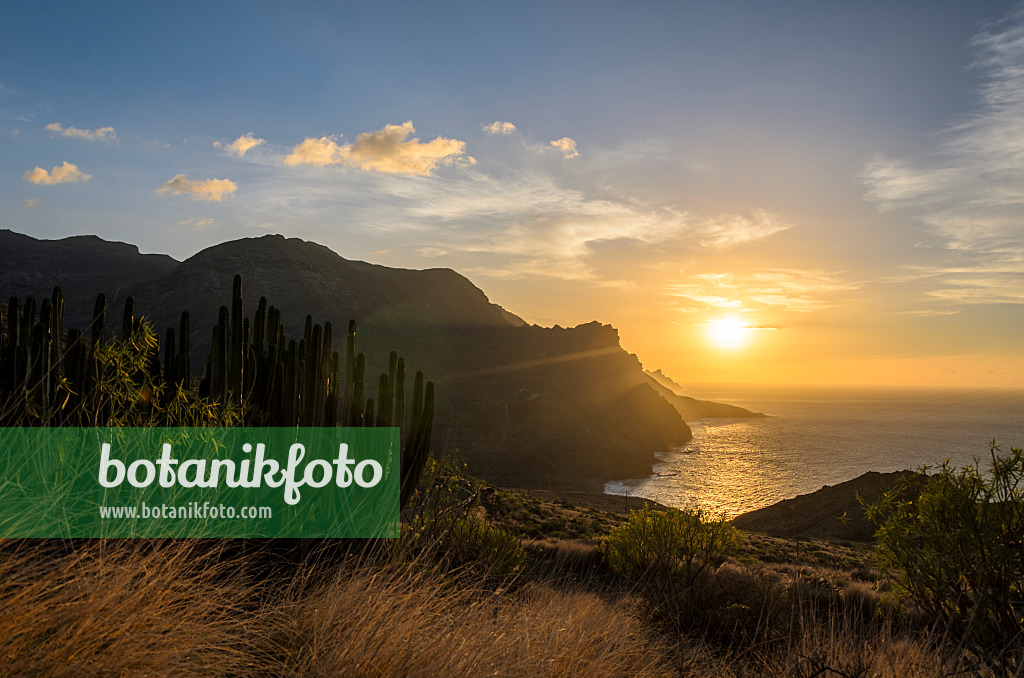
(183, 374)
(252, 365)
(234, 338)
(128, 319)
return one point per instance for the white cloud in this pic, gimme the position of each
(566, 146)
(970, 190)
(241, 145)
(99, 134)
(498, 127)
(733, 229)
(210, 190)
(33, 202)
(526, 218)
(61, 174)
(388, 150)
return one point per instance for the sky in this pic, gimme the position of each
(786, 192)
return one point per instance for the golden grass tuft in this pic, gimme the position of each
(180, 608)
(401, 622)
(121, 609)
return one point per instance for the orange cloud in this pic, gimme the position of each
(566, 146)
(388, 150)
(210, 190)
(61, 174)
(318, 152)
(241, 145)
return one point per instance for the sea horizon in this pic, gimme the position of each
(820, 435)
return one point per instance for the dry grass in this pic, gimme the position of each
(121, 609)
(172, 609)
(396, 622)
(192, 608)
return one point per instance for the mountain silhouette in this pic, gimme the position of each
(523, 405)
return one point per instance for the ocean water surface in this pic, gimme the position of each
(820, 436)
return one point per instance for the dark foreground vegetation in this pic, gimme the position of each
(464, 592)
(487, 581)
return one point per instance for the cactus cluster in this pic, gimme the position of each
(49, 377)
(32, 353)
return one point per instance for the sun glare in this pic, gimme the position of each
(728, 333)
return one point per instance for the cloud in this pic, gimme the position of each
(99, 134)
(318, 152)
(969, 190)
(32, 202)
(498, 127)
(732, 229)
(798, 290)
(210, 190)
(241, 145)
(928, 313)
(61, 174)
(388, 150)
(566, 146)
(391, 151)
(198, 223)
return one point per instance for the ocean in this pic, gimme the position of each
(824, 436)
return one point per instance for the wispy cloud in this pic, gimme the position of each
(498, 127)
(929, 312)
(389, 150)
(210, 190)
(17, 105)
(567, 146)
(797, 290)
(970, 190)
(241, 145)
(732, 229)
(199, 224)
(61, 174)
(519, 214)
(33, 202)
(98, 134)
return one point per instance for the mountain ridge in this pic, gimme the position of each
(522, 404)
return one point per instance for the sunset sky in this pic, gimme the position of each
(790, 192)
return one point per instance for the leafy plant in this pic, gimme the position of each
(958, 549)
(682, 542)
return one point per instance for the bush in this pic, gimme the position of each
(958, 550)
(684, 542)
(491, 551)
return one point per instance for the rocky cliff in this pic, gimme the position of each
(522, 404)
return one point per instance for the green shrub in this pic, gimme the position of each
(470, 542)
(673, 556)
(682, 542)
(957, 548)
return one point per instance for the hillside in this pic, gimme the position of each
(833, 512)
(524, 405)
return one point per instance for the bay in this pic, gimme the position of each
(824, 436)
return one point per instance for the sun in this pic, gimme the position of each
(728, 333)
